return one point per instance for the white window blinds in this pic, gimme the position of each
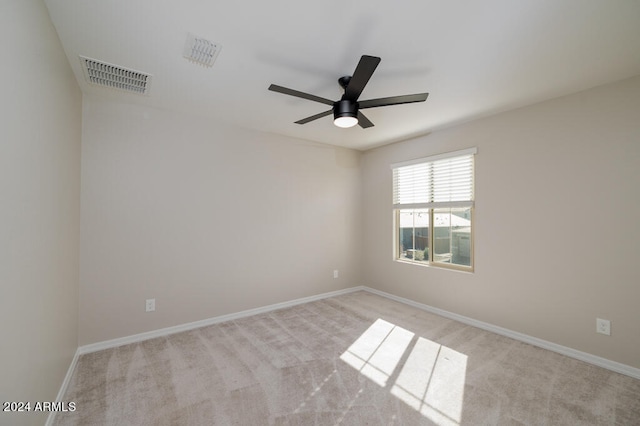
(439, 181)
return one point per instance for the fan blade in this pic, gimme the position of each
(361, 76)
(314, 117)
(393, 100)
(363, 121)
(291, 92)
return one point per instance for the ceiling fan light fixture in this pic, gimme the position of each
(345, 113)
(345, 122)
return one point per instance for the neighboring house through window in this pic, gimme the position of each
(433, 202)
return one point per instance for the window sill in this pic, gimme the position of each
(457, 268)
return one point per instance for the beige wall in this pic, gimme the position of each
(557, 200)
(40, 113)
(207, 219)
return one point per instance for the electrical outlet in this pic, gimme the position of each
(335, 273)
(603, 326)
(150, 305)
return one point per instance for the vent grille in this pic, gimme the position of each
(201, 51)
(115, 77)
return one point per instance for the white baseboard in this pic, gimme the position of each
(94, 347)
(582, 356)
(63, 388)
(563, 350)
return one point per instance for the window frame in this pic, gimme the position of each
(432, 208)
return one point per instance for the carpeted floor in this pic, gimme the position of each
(356, 359)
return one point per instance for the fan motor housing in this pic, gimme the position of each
(345, 108)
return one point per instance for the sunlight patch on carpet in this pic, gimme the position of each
(378, 350)
(431, 380)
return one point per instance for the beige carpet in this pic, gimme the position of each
(356, 359)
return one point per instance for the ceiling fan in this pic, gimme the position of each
(346, 111)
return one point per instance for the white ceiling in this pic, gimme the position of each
(475, 58)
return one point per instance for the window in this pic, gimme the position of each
(433, 204)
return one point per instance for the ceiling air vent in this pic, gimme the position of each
(115, 77)
(201, 51)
